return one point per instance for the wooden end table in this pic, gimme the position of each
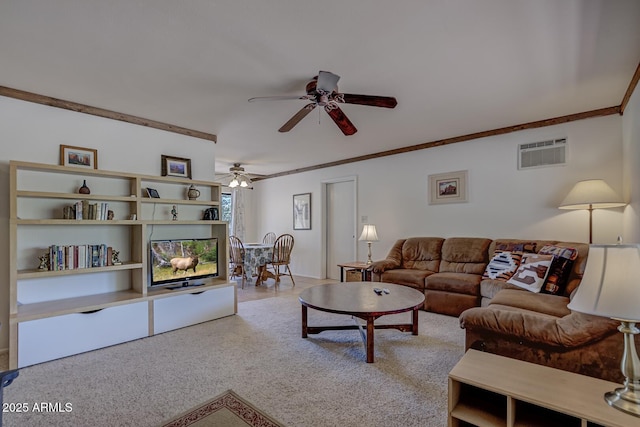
(358, 299)
(361, 266)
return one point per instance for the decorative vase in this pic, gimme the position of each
(84, 189)
(193, 193)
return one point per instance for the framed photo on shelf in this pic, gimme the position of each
(78, 157)
(153, 193)
(176, 166)
(302, 211)
(448, 187)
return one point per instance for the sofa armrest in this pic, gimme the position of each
(380, 267)
(572, 330)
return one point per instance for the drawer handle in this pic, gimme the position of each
(91, 311)
(196, 293)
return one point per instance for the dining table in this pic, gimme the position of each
(256, 257)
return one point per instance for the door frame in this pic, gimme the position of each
(323, 220)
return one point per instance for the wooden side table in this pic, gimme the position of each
(489, 390)
(361, 266)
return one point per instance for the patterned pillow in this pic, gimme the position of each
(516, 247)
(532, 272)
(560, 270)
(502, 265)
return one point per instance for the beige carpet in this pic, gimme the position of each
(319, 381)
(228, 410)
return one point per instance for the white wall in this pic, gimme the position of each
(503, 201)
(33, 132)
(631, 167)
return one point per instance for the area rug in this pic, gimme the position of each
(228, 410)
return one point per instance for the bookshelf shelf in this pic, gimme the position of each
(40, 195)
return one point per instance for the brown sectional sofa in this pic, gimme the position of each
(502, 318)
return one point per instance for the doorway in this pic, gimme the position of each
(340, 224)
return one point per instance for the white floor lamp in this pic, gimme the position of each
(591, 194)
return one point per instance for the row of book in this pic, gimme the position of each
(82, 209)
(69, 257)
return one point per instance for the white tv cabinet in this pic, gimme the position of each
(59, 313)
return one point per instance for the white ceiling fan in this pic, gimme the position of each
(237, 177)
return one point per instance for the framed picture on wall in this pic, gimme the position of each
(78, 157)
(175, 166)
(448, 187)
(302, 211)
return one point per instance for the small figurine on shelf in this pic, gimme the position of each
(174, 213)
(84, 189)
(109, 215)
(114, 257)
(44, 261)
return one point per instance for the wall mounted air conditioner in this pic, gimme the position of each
(543, 153)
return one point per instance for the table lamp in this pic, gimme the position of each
(610, 287)
(369, 235)
(591, 194)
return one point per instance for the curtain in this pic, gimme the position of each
(237, 213)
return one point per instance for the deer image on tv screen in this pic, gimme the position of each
(183, 261)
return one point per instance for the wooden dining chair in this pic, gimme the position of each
(282, 248)
(236, 258)
(269, 238)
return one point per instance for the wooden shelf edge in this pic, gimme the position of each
(478, 417)
(180, 201)
(41, 274)
(74, 222)
(74, 196)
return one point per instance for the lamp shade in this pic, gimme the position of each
(369, 233)
(591, 193)
(610, 286)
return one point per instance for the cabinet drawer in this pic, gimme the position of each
(188, 309)
(54, 337)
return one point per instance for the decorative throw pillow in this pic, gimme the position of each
(532, 272)
(560, 270)
(502, 265)
(516, 247)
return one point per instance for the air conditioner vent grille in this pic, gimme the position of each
(542, 153)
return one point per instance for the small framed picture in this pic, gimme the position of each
(176, 166)
(153, 193)
(448, 187)
(78, 157)
(302, 211)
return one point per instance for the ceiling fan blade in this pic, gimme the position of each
(297, 117)
(374, 101)
(327, 82)
(276, 98)
(341, 120)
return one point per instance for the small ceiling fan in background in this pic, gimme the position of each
(237, 177)
(323, 91)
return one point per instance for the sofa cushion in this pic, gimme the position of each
(465, 255)
(408, 277)
(553, 305)
(489, 288)
(422, 253)
(515, 245)
(532, 272)
(459, 283)
(502, 265)
(563, 258)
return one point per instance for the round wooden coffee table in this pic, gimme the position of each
(358, 299)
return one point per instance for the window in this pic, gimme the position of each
(225, 207)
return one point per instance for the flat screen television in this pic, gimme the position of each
(183, 262)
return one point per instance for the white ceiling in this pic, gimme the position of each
(455, 66)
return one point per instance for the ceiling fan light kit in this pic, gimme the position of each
(323, 91)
